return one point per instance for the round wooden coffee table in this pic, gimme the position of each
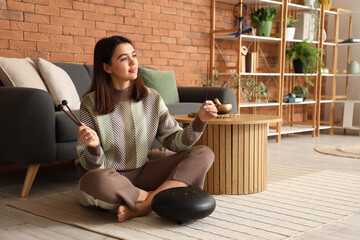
(240, 147)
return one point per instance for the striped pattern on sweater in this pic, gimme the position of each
(127, 133)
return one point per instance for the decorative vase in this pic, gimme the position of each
(265, 29)
(353, 67)
(327, 3)
(290, 33)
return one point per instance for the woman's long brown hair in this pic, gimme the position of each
(101, 80)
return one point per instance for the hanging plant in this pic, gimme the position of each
(307, 55)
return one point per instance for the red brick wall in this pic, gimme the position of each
(168, 34)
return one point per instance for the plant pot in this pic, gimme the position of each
(265, 29)
(327, 3)
(290, 33)
(298, 66)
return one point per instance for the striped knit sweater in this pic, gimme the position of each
(127, 133)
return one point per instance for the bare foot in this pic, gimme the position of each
(142, 196)
(143, 208)
(124, 213)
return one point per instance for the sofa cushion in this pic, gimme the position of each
(90, 69)
(78, 74)
(66, 129)
(60, 85)
(20, 72)
(163, 82)
(66, 150)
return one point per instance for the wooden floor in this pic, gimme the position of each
(296, 150)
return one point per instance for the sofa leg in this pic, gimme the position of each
(29, 179)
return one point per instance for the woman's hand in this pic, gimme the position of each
(207, 111)
(88, 136)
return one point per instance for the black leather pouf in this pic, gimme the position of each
(183, 203)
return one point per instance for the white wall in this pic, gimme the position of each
(354, 83)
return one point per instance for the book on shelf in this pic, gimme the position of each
(251, 65)
(299, 99)
(351, 40)
(288, 99)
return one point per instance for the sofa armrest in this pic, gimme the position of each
(27, 125)
(198, 94)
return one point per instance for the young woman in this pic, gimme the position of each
(121, 118)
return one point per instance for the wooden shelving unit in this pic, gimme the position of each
(220, 34)
(284, 8)
(336, 74)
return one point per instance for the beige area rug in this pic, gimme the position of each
(297, 200)
(341, 150)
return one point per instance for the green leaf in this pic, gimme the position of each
(309, 56)
(261, 15)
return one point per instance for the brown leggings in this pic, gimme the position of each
(107, 188)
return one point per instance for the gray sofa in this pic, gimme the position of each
(33, 131)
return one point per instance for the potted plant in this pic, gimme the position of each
(262, 20)
(249, 89)
(304, 58)
(300, 92)
(262, 91)
(290, 28)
